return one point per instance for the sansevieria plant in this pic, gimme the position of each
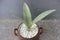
(29, 29)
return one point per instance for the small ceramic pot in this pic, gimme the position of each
(40, 31)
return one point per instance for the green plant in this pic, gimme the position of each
(28, 18)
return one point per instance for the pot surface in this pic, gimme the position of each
(28, 33)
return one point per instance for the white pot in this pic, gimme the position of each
(24, 34)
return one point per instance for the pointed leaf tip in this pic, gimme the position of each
(42, 15)
(27, 15)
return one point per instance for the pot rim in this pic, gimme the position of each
(27, 38)
(24, 37)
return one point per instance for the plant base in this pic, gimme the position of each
(40, 31)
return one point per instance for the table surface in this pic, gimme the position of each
(51, 29)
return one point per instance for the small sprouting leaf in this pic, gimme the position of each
(27, 15)
(42, 15)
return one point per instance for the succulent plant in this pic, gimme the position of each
(28, 18)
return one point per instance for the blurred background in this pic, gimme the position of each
(13, 9)
(10, 9)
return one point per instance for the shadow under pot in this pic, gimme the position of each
(23, 33)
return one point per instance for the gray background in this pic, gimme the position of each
(13, 8)
(10, 9)
(38, 6)
(51, 29)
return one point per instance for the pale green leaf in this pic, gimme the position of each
(27, 15)
(43, 15)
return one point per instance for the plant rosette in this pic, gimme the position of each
(29, 30)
